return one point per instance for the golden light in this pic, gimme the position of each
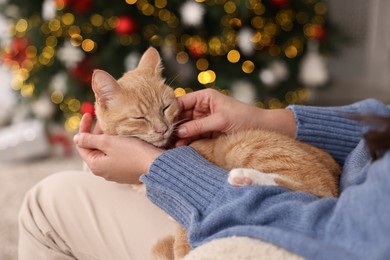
(182, 57)
(60, 4)
(170, 39)
(164, 15)
(274, 103)
(207, 77)
(257, 22)
(54, 25)
(56, 97)
(160, 3)
(259, 9)
(155, 40)
(235, 22)
(67, 19)
(51, 41)
(76, 40)
(202, 64)
(180, 92)
(256, 38)
(233, 56)
(74, 105)
(230, 7)
(44, 60)
(28, 65)
(27, 90)
(291, 52)
(320, 8)
(17, 83)
(97, 20)
(48, 52)
(21, 26)
(215, 43)
(147, 9)
(248, 66)
(74, 30)
(111, 23)
(73, 122)
(45, 28)
(131, 2)
(88, 45)
(291, 97)
(31, 51)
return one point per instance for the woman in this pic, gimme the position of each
(76, 215)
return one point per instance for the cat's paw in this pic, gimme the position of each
(247, 177)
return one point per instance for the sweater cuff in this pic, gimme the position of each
(331, 128)
(183, 183)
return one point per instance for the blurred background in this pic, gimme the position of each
(270, 53)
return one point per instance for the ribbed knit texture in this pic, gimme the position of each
(354, 226)
(331, 128)
(192, 182)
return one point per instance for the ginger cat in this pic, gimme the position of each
(141, 105)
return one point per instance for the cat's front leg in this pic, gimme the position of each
(248, 177)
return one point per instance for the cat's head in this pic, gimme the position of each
(138, 104)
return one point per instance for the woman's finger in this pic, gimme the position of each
(85, 123)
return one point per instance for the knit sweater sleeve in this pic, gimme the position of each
(353, 226)
(331, 128)
(197, 195)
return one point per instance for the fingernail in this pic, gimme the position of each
(182, 131)
(76, 139)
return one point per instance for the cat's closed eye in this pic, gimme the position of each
(138, 117)
(165, 108)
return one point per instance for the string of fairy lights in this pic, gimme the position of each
(25, 57)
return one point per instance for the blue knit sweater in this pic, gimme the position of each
(354, 226)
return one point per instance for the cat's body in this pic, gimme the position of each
(274, 157)
(141, 104)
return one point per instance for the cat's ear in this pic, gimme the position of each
(104, 86)
(151, 59)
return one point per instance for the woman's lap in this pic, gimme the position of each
(78, 215)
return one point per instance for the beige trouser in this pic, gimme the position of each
(76, 215)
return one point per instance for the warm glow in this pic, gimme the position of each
(179, 92)
(202, 64)
(233, 56)
(88, 45)
(248, 66)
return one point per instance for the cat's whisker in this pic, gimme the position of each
(170, 81)
(180, 121)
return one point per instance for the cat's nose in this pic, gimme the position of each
(162, 130)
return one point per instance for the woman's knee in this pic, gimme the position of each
(54, 190)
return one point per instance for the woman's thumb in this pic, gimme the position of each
(88, 141)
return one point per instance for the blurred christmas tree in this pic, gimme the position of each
(263, 51)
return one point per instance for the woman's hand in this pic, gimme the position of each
(209, 113)
(115, 158)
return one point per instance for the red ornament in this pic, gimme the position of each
(17, 51)
(87, 107)
(82, 72)
(280, 3)
(125, 25)
(64, 141)
(319, 32)
(197, 48)
(79, 6)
